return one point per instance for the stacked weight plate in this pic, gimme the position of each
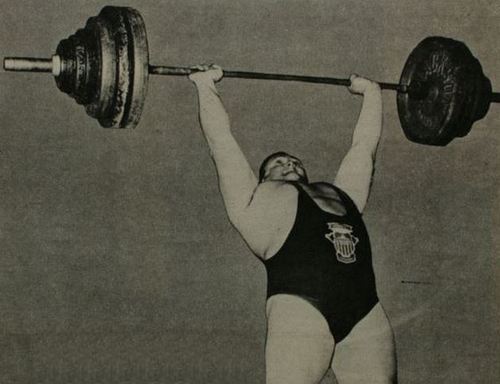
(449, 92)
(104, 66)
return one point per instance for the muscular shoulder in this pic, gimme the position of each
(275, 189)
(269, 216)
(271, 197)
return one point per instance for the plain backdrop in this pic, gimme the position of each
(117, 262)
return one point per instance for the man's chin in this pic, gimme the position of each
(292, 176)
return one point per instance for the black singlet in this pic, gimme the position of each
(326, 260)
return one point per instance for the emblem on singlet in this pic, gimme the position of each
(344, 242)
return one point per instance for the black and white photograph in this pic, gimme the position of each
(249, 192)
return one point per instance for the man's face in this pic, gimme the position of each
(285, 168)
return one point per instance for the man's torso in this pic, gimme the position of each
(279, 205)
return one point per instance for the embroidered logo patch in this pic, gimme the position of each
(344, 242)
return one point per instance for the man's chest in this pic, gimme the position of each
(326, 198)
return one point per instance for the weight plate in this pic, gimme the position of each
(445, 83)
(105, 59)
(139, 64)
(114, 18)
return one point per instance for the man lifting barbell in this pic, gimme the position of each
(322, 300)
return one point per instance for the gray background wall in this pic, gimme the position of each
(117, 262)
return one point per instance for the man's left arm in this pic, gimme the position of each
(355, 173)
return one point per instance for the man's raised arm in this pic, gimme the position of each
(237, 181)
(356, 170)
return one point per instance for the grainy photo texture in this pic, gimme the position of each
(260, 191)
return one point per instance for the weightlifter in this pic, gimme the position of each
(322, 304)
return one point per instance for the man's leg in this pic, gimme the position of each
(299, 344)
(367, 354)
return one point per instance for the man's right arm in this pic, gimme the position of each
(237, 181)
(249, 211)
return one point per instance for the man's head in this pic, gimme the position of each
(282, 166)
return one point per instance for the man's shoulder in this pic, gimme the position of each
(274, 185)
(275, 188)
(293, 187)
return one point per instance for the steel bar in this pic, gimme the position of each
(27, 64)
(183, 71)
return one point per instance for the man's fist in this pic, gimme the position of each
(206, 73)
(359, 85)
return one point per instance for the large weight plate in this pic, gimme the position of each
(139, 64)
(448, 92)
(105, 58)
(112, 117)
(131, 67)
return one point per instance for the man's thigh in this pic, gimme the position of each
(299, 344)
(367, 354)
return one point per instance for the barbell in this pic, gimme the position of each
(105, 67)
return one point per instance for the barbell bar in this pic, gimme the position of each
(105, 67)
(28, 64)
